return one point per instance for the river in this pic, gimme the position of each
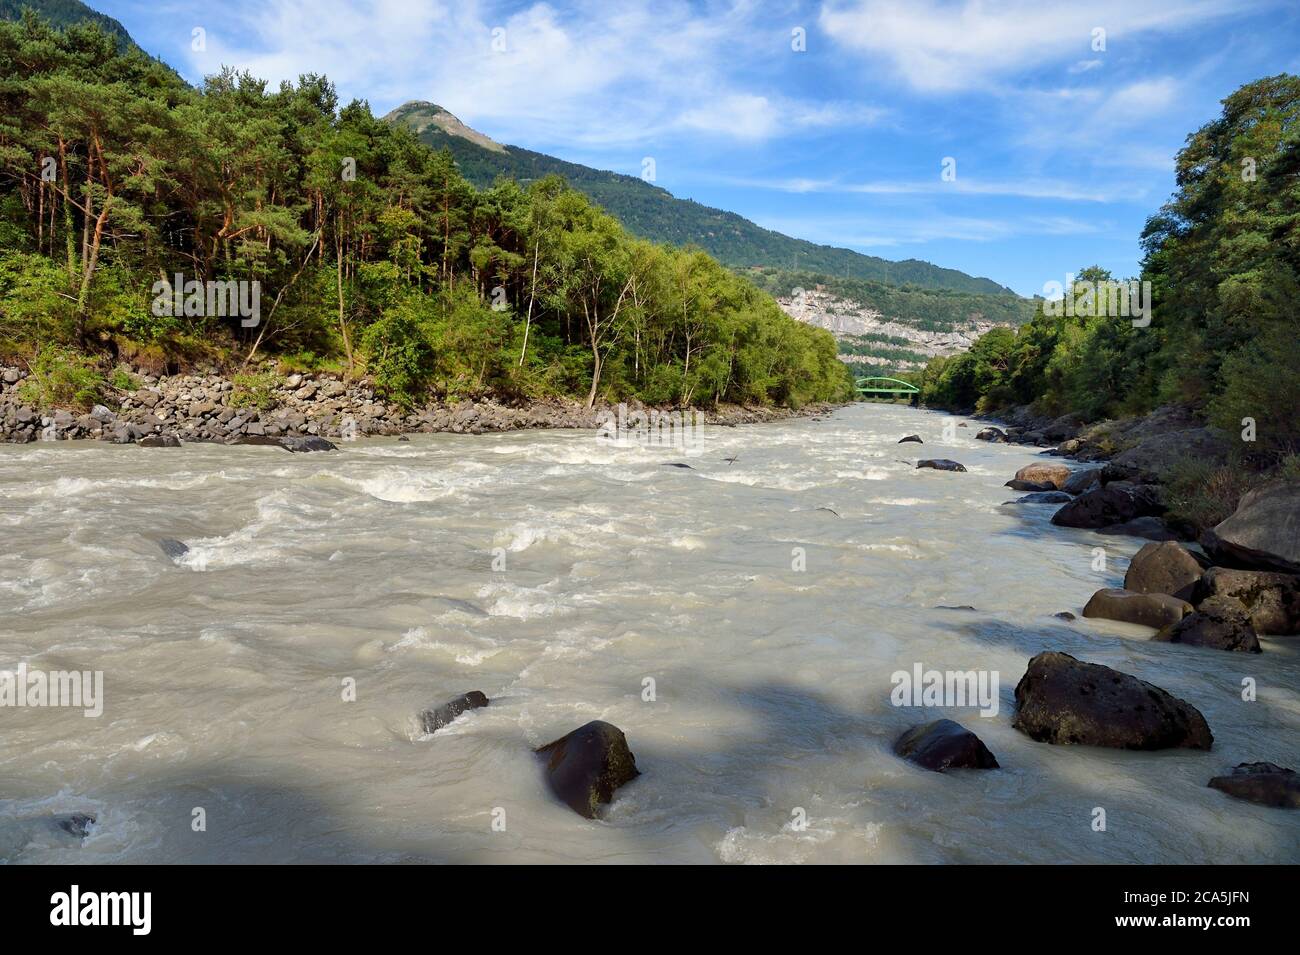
(261, 692)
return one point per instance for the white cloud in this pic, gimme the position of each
(943, 46)
(592, 73)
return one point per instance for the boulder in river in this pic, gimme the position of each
(942, 745)
(1222, 623)
(1273, 600)
(1043, 472)
(584, 767)
(1148, 610)
(1067, 701)
(940, 464)
(916, 438)
(301, 444)
(996, 435)
(1264, 783)
(435, 718)
(1263, 533)
(1165, 568)
(173, 548)
(1114, 503)
(75, 823)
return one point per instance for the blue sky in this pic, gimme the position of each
(1061, 150)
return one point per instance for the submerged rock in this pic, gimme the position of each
(996, 435)
(1018, 485)
(1114, 503)
(1067, 701)
(1263, 533)
(940, 464)
(173, 548)
(584, 767)
(306, 444)
(1273, 600)
(911, 437)
(677, 464)
(1165, 568)
(76, 823)
(1041, 497)
(1063, 615)
(1148, 610)
(942, 745)
(1222, 623)
(436, 718)
(1266, 784)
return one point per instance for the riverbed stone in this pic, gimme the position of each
(159, 441)
(1272, 599)
(1126, 606)
(1041, 497)
(1018, 485)
(1266, 784)
(915, 438)
(996, 435)
(1066, 701)
(1114, 503)
(1149, 528)
(944, 744)
(435, 718)
(940, 464)
(1221, 623)
(1263, 533)
(1165, 568)
(586, 766)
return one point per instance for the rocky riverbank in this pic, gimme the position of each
(215, 408)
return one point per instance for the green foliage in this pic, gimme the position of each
(253, 390)
(59, 378)
(1201, 494)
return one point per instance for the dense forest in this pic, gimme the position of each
(372, 253)
(1223, 260)
(654, 213)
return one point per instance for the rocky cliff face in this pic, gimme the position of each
(849, 320)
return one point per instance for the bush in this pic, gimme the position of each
(60, 378)
(254, 391)
(1201, 494)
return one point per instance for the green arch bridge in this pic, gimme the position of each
(886, 386)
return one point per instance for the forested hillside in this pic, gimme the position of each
(1223, 260)
(654, 213)
(371, 252)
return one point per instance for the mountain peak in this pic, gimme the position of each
(421, 114)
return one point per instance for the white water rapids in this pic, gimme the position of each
(224, 670)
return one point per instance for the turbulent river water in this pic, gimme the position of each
(557, 573)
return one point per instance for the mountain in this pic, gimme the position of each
(654, 213)
(66, 13)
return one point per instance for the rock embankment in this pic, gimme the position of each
(163, 410)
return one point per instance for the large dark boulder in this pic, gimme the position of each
(1264, 783)
(996, 435)
(942, 745)
(940, 464)
(1114, 503)
(306, 444)
(1222, 623)
(914, 438)
(1044, 473)
(1263, 533)
(1160, 452)
(1067, 701)
(586, 766)
(159, 441)
(1273, 600)
(1147, 610)
(1148, 528)
(1165, 568)
(435, 718)
(1082, 480)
